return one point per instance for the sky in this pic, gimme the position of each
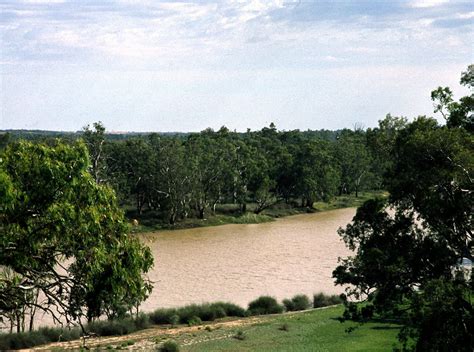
(185, 66)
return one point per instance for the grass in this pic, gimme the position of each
(229, 213)
(310, 330)
(349, 201)
(316, 330)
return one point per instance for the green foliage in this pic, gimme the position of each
(164, 316)
(407, 262)
(298, 302)
(264, 305)
(38, 337)
(194, 321)
(205, 312)
(441, 317)
(54, 215)
(169, 346)
(322, 300)
(118, 326)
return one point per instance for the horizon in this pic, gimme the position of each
(144, 66)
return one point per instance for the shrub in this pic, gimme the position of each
(289, 305)
(322, 300)
(169, 346)
(142, 321)
(22, 340)
(112, 327)
(264, 305)
(298, 302)
(230, 309)
(194, 321)
(39, 337)
(164, 316)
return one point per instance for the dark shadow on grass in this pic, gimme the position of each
(393, 327)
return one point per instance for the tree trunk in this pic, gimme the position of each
(201, 213)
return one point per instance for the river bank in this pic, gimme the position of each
(297, 331)
(230, 214)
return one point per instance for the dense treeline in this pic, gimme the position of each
(188, 176)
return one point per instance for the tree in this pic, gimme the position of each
(456, 114)
(95, 140)
(407, 261)
(63, 235)
(316, 178)
(354, 161)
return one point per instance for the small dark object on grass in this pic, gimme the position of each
(169, 346)
(240, 335)
(284, 327)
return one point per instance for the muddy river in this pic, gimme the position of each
(238, 263)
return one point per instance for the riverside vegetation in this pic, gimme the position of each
(194, 314)
(64, 247)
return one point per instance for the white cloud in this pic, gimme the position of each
(427, 3)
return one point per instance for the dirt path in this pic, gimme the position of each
(147, 339)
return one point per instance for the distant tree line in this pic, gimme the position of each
(189, 175)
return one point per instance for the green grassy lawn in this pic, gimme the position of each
(229, 214)
(316, 330)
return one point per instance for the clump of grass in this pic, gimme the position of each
(322, 300)
(298, 302)
(240, 335)
(169, 346)
(265, 305)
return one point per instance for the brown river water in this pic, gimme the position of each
(238, 263)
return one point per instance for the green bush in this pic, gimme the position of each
(142, 321)
(169, 346)
(264, 305)
(194, 321)
(22, 340)
(164, 316)
(298, 302)
(230, 309)
(119, 326)
(322, 300)
(39, 337)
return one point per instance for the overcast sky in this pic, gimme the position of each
(185, 66)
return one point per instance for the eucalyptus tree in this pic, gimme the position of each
(409, 261)
(354, 161)
(95, 140)
(173, 179)
(316, 175)
(64, 236)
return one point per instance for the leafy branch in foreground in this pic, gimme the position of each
(63, 239)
